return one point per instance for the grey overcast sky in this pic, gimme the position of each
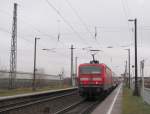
(75, 21)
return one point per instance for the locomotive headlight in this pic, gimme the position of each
(97, 79)
(96, 82)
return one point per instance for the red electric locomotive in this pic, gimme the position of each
(94, 78)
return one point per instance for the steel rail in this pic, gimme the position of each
(70, 107)
(36, 101)
(85, 110)
(89, 108)
(31, 99)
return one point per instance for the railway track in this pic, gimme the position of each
(29, 100)
(82, 107)
(30, 103)
(11, 100)
(68, 102)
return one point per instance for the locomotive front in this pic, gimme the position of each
(91, 78)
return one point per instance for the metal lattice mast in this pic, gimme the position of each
(13, 53)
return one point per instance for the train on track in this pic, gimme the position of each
(95, 78)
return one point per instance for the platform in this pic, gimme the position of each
(34, 93)
(112, 104)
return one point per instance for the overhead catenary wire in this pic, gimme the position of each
(41, 33)
(55, 37)
(126, 13)
(82, 22)
(79, 17)
(31, 25)
(65, 21)
(32, 43)
(35, 29)
(8, 32)
(22, 38)
(78, 32)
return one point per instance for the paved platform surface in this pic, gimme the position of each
(112, 104)
(33, 93)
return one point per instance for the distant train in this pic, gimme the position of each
(95, 79)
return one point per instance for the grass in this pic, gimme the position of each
(28, 90)
(133, 104)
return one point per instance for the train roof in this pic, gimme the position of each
(100, 64)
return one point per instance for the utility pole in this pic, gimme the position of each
(129, 65)
(136, 91)
(142, 74)
(13, 53)
(76, 66)
(71, 73)
(125, 72)
(34, 70)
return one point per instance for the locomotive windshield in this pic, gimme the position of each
(90, 70)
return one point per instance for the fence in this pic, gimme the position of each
(24, 80)
(146, 95)
(144, 92)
